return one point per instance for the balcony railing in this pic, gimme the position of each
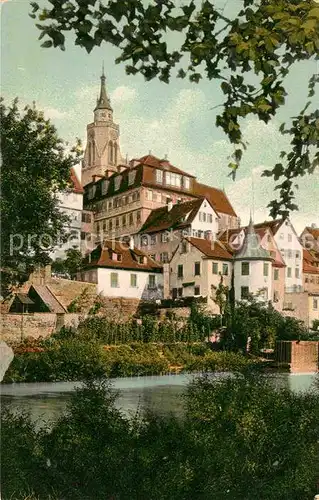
(294, 289)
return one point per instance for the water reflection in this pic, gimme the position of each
(162, 394)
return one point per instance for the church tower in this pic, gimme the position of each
(102, 152)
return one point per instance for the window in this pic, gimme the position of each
(210, 218)
(245, 268)
(290, 238)
(110, 205)
(288, 272)
(215, 267)
(266, 269)
(138, 217)
(110, 225)
(289, 254)
(114, 280)
(123, 220)
(105, 185)
(104, 225)
(197, 290)
(133, 280)
(151, 281)
(149, 195)
(297, 272)
(91, 192)
(186, 182)
(144, 240)
(197, 269)
(244, 292)
(173, 179)
(225, 269)
(174, 293)
(276, 296)
(131, 177)
(276, 274)
(200, 216)
(180, 271)
(153, 239)
(130, 219)
(297, 254)
(117, 182)
(281, 236)
(315, 304)
(180, 292)
(117, 222)
(165, 237)
(86, 217)
(269, 238)
(159, 176)
(184, 247)
(164, 257)
(306, 279)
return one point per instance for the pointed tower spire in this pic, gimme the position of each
(103, 101)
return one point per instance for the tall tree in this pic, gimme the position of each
(35, 169)
(251, 53)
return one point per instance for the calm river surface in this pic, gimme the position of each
(162, 394)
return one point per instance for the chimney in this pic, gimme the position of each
(169, 205)
(131, 244)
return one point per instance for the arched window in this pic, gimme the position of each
(93, 151)
(115, 152)
(110, 152)
(90, 153)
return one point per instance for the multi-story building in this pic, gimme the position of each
(71, 204)
(120, 270)
(197, 267)
(235, 237)
(309, 239)
(123, 202)
(290, 248)
(165, 227)
(253, 269)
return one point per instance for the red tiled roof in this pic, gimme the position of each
(211, 249)
(314, 231)
(102, 257)
(76, 184)
(216, 197)
(273, 225)
(153, 161)
(277, 263)
(310, 262)
(161, 218)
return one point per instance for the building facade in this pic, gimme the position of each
(71, 204)
(197, 267)
(120, 270)
(166, 226)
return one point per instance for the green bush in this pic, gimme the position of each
(239, 438)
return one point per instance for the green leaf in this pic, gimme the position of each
(47, 44)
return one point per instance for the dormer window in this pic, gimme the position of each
(159, 176)
(105, 185)
(131, 177)
(117, 182)
(186, 182)
(141, 259)
(117, 257)
(91, 192)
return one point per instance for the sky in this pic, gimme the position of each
(176, 120)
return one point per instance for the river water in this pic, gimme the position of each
(46, 401)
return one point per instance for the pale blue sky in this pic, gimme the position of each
(174, 119)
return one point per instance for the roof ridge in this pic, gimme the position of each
(55, 297)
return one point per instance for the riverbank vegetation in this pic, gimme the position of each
(238, 438)
(154, 346)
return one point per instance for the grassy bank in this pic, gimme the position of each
(76, 359)
(239, 438)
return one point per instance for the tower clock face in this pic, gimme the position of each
(114, 135)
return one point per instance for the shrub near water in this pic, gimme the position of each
(239, 439)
